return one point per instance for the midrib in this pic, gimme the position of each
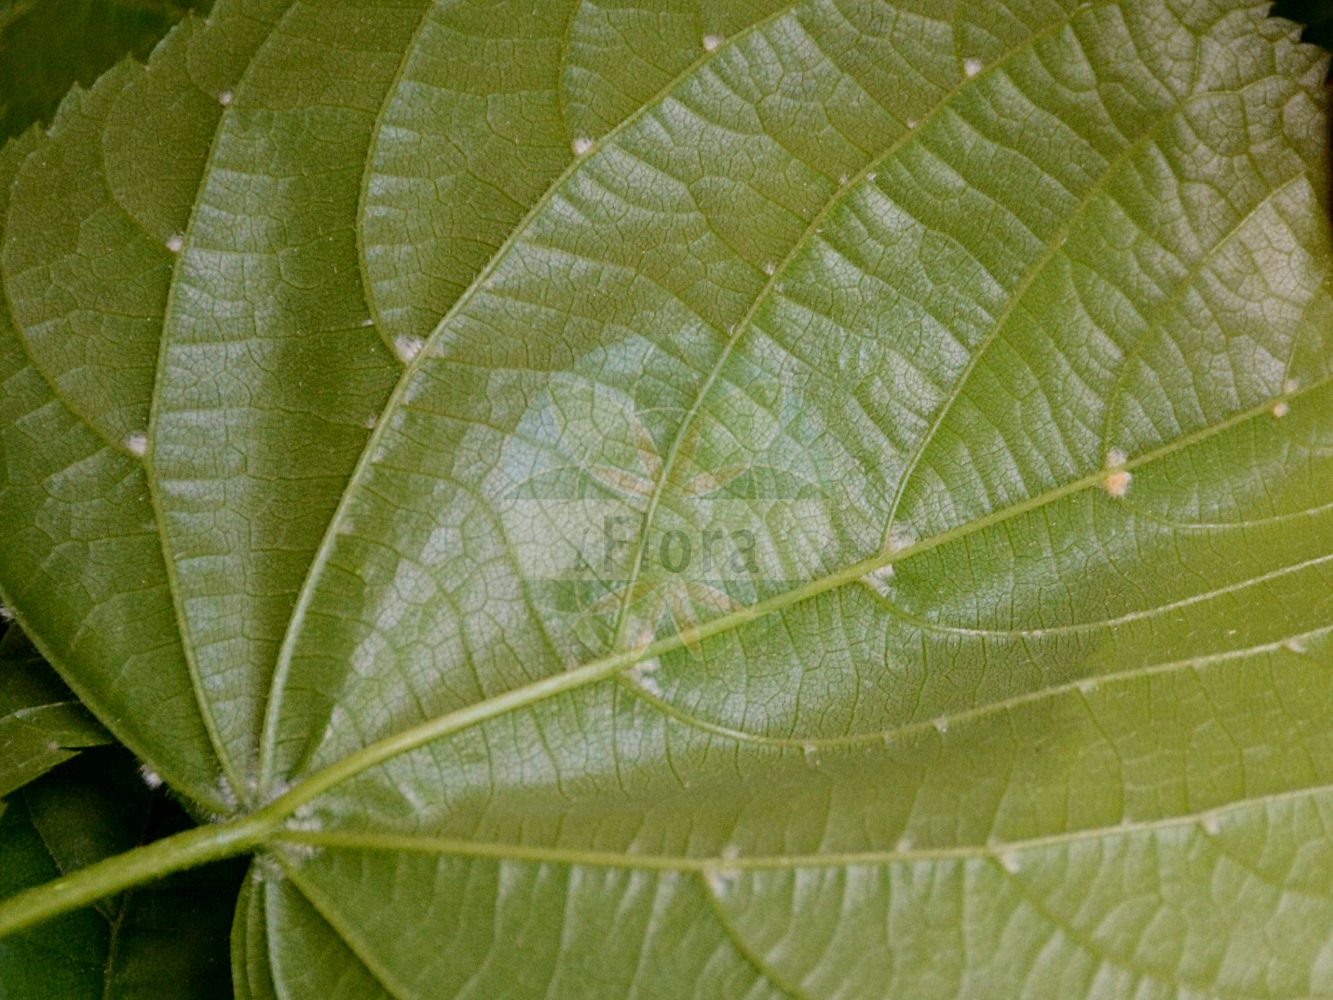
(371, 841)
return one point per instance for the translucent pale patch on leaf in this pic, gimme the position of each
(900, 537)
(227, 795)
(137, 444)
(879, 581)
(720, 877)
(1116, 481)
(305, 819)
(407, 348)
(641, 676)
(642, 633)
(1211, 825)
(1281, 409)
(1296, 644)
(269, 869)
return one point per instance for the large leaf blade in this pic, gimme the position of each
(1277, 207)
(1006, 335)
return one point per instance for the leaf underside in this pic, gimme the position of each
(1003, 334)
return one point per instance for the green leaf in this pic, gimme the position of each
(41, 723)
(825, 499)
(59, 959)
(48, 45)
(164, 940)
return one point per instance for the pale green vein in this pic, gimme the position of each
(367, 286)
(346, 932)
(742, 946)
(1009, 852)
(239, 788)
(1016, 298)
(1074, 628)
(1117, 392)
(779, 273)
(1083, 686)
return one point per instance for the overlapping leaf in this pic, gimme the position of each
(166, 940)
(1001, 335)
(41, 723)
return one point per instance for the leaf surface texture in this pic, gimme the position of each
(1006, 329)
